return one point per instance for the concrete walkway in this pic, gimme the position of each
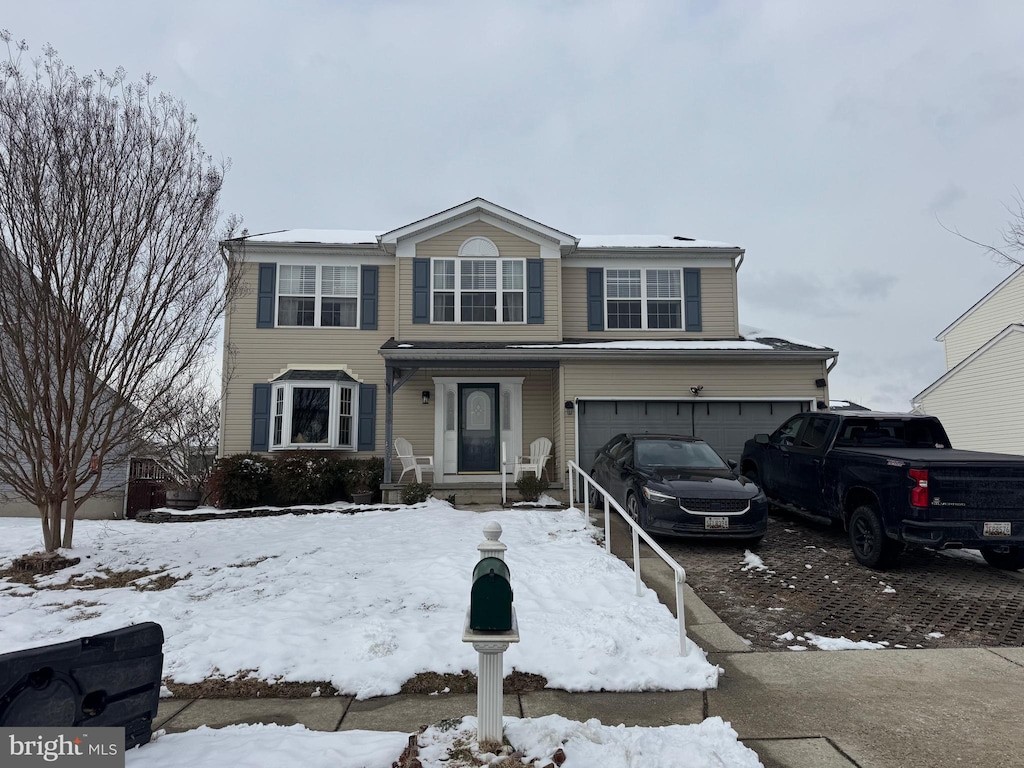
(815, 709)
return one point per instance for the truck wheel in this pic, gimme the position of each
(1006, 561)
(751, 475)
(870, 545)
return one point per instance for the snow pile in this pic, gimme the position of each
(543, 501)
(268, 746)
(365, 601)
(711, 744)
(752, 562)
(842, 643)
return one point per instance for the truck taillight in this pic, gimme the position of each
(919, 493)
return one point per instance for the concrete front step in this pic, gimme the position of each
(473, 494)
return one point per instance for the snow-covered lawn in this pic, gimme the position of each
(710, 744)
(365, 601)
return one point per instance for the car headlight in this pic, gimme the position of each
(652, 495)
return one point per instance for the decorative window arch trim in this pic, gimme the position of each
(478, 247)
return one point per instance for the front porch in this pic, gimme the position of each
(470, 410)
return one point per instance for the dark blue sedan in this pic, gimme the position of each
(676, 485)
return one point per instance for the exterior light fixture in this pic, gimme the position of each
(697, 390)
(569, 407)
(820, 383)
(426, 397)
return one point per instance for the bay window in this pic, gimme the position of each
(314, 414)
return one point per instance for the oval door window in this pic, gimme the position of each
(478, 411)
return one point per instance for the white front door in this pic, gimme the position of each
(457, 433)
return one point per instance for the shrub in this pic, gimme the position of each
(304, 477)
(364, 475)
(242, 480)
(416, 493)
(531, 487)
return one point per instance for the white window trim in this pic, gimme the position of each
(318, 296)
(643, 298)
(333, 415)
(499, 291)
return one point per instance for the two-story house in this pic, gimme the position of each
(478, 327)
(980, 398)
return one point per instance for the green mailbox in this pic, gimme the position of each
(490, 602)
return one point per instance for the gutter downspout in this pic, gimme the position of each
(743, 255)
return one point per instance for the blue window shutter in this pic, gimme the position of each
(367, 434)
(421, 290)
(260, 416)
(368, 297)
(691, 296)
(535, 291)
(595, 299)
(265, 296)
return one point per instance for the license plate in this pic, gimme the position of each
(997, 529)
(721, 523)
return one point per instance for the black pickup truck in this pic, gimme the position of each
(892, 479)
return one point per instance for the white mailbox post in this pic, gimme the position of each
(491, 647)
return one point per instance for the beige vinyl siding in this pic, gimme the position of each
(262, 353)
(509, 247)
(672, 380)
(982, 405)
(1004, 308)
(717, 306)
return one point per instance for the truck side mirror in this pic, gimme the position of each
(761, 439)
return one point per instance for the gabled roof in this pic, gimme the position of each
(318, 236)
(977, 305)
(477, 206)
(1010, 329)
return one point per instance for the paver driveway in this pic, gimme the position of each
(813, 584)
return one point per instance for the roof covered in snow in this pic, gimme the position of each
(319, 236)
(648, 241)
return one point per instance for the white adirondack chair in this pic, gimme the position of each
(417, 464)
(540, 450)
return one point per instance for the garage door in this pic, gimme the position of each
(725, 425)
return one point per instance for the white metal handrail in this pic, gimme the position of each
(638, 533)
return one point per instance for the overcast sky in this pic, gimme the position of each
(831, 140)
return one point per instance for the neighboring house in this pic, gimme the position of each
(846, 405)
(980, 398)
(477, 327)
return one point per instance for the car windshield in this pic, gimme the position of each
(677, 453)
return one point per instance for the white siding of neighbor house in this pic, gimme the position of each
(509, 246)
(672, 380)
(719, 317)
(982, 405)
(1003, 308)
(262, 354)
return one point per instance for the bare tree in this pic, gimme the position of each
(111, 281)
(1011, 251)
(187, 435)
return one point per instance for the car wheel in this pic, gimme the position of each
(636, 510)
(1006, 561)
(870, 545)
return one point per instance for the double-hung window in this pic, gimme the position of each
(645, 299)
(326, 296)
(314, 414)
(478, 290)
